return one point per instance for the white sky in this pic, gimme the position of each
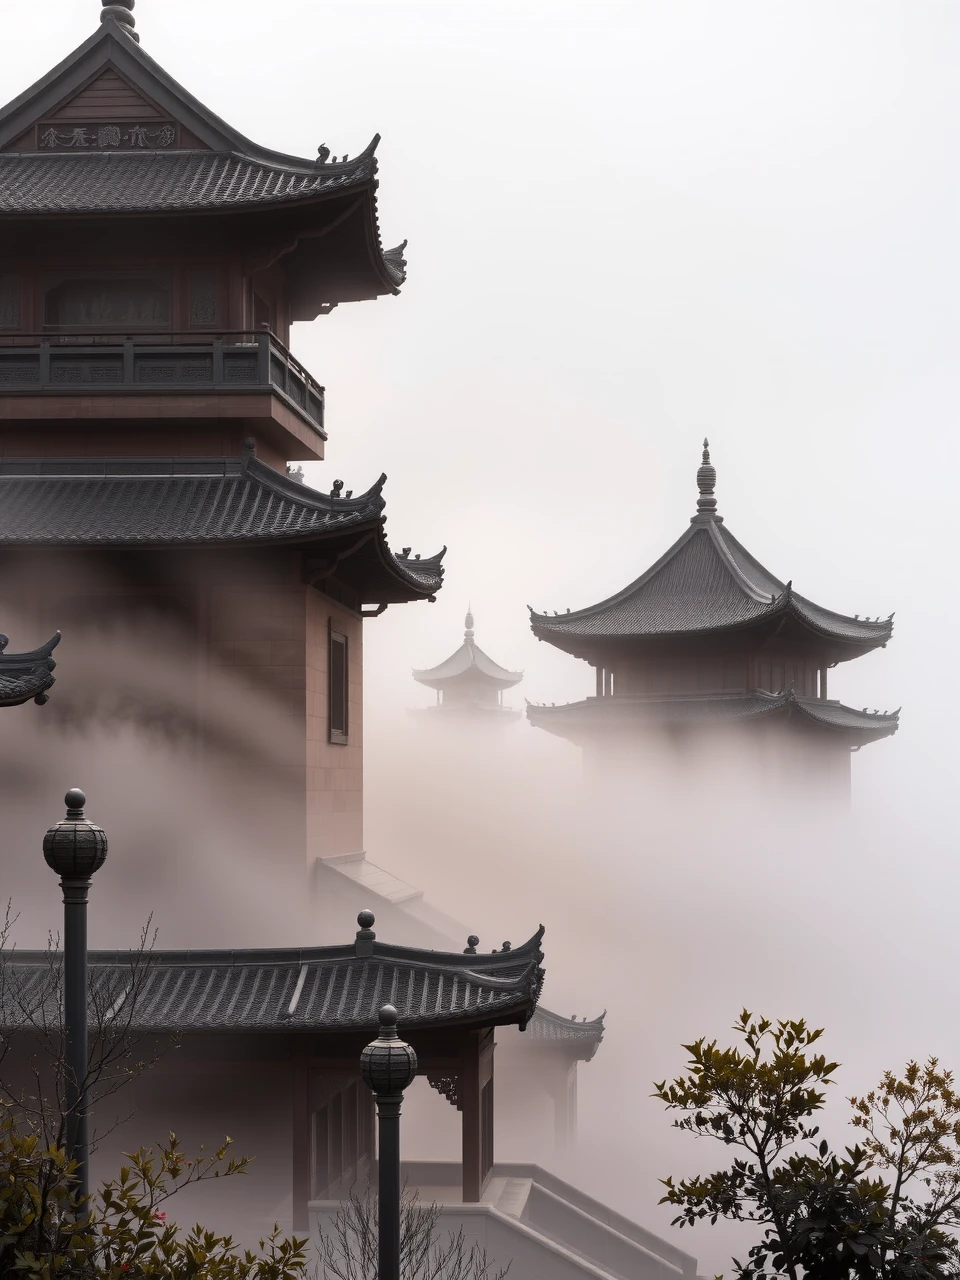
(630, 225)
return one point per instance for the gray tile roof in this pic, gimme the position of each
(26, 675)
(691, 708)
(189, 502)
(582, 1039)
(319, 989)
(707, 581)
(231, 173)
(163, 181)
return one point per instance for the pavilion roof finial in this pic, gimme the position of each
(468, 623)
(120, 12)
(706, 481)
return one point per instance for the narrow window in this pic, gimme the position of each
(338, 687)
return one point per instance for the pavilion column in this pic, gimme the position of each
(599, 671)
(823, 683)
(475, 1096)
(565, 1107)
(300, 1137)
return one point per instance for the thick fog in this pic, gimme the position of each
(630, 225)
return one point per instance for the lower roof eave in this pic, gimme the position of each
(577, 721)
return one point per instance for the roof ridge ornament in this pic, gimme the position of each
(120, 12)
(468, 623)
(706, 481)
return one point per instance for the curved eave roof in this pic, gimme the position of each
(26, 676)
(232, 175)
(319, 989)
(707, 583)
(828, 717)
(469, 664)
(581, 1039)
(192, 502)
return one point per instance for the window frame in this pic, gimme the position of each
(339, 735)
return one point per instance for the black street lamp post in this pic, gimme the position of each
(388, 1066)
(75, 849)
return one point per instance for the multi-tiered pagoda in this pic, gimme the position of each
(708, 641)
(469, 682)
(152, 262)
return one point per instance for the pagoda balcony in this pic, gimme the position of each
(244, 377)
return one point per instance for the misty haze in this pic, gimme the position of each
(647, 314)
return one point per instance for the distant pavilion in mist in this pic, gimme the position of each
(708, 642)
(469, 682)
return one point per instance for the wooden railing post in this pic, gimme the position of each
(263, 359)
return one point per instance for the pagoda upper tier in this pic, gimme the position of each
(707, 587)
(108, 132)
(149, 249)
(707, 633)
(469, 678)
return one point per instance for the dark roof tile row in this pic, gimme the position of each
(330, 989)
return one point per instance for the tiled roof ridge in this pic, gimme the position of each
(585, 1024)
(363, 165)
(109, 46)
(747, 575)
(337, 988)
(371, 500)
(529, 951)
(706, 527)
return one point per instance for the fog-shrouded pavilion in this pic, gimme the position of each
(469, 682)
(708, 646)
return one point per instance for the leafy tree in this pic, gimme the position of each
(122, 1232)
(887, 1208)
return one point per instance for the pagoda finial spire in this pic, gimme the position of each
(120, 12)
(706, 480)
(468, 623)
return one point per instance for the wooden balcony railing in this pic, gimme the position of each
(232, 362)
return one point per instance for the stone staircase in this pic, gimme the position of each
(543, 1227)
